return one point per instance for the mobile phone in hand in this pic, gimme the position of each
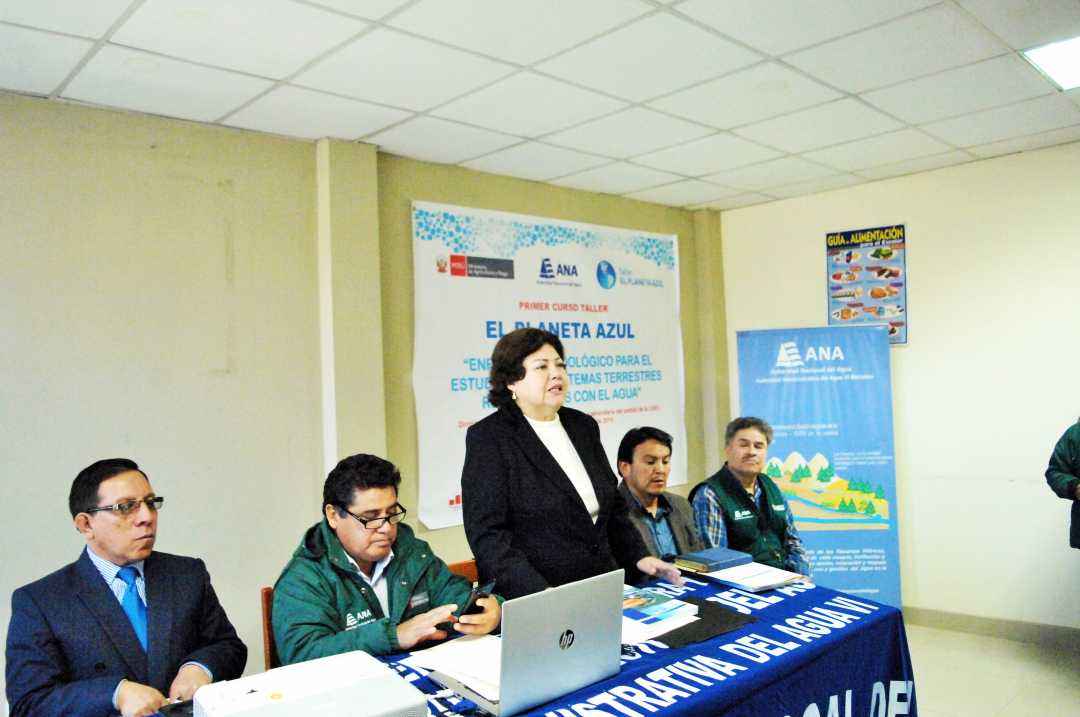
(470, 607)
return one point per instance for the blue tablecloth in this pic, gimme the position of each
(812, 652)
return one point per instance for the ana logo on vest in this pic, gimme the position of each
(566, 639)
(743, 514)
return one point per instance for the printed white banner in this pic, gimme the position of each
(611, 295)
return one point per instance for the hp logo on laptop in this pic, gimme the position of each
(566, 639)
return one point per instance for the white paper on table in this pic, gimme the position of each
(474, 660)
(634, 632)
(755, 577)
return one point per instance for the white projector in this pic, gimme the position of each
(354, 684)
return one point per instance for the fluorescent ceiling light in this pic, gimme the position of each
(1060, 61)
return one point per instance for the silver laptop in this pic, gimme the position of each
(554, 642)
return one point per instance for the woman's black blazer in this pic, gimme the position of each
(526, 524)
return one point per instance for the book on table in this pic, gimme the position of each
(710, 559)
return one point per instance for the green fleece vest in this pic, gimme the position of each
(749, 529)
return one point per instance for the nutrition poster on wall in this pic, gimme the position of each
(867, 278)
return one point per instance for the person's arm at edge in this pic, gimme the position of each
(304, 621)
(709, 518)
(795, 558)
(1063, 472)
(485, 506)
(35, 670)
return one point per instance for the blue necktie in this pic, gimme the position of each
(133, 604)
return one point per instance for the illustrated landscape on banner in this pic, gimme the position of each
(827, 394)
(611, 296)
(867, 278)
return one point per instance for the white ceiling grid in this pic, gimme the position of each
(692, 103)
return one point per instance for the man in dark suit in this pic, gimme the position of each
(122, 626)
(664, 519)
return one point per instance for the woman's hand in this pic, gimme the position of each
(657, 568)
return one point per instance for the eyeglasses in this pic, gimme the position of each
(128, 507)
(376, 523)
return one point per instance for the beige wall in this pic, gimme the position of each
(402, 181)
(989, 380)
(158, 287)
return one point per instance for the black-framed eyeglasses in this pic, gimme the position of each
(375, 523)
(128, 507)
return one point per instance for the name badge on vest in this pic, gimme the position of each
(743, 514)
(778, 508)
(419, 601)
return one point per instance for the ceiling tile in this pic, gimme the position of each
(929, 41)
(35, 61)
(785, 170)
(529, 105)
(739, 200)
(841, 121)
(367, 9)
(629, 132)
(881, 149)
(271, 38)
(779, 26)
(119, 77)
(747, 96)
(1034, 141)
(436, 140)
(998, 81)
(708, 155)
(912, 166)
(651, 57)
(680, 194)
(411, 72)
(522, 31)
(1021, 119)
(89, 19)
(1027, 23)
(537, 161)
(298, 112)
(617, 178)
(814, 186)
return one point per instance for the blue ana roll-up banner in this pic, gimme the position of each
(827, 394)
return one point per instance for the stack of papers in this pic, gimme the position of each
(754, 577)
(473, 660)
(648, 614)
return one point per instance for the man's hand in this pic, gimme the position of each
(657, 568)
(137, 700)
(422, 627)
(188, 679)
(481, 623)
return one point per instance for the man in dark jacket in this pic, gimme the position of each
(1063, 476)
(665, 520)
(740, 507)
(361, 580)
(124, 627)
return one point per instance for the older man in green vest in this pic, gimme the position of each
(742, 508)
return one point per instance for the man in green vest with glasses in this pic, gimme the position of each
(742, 508)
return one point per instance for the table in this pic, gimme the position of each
(812, 652)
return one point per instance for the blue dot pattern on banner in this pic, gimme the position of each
(507, 235)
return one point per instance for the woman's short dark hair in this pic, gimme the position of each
(358, 472)
(744, 422)
(84, 489)
(507, 360)
(636, 436)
